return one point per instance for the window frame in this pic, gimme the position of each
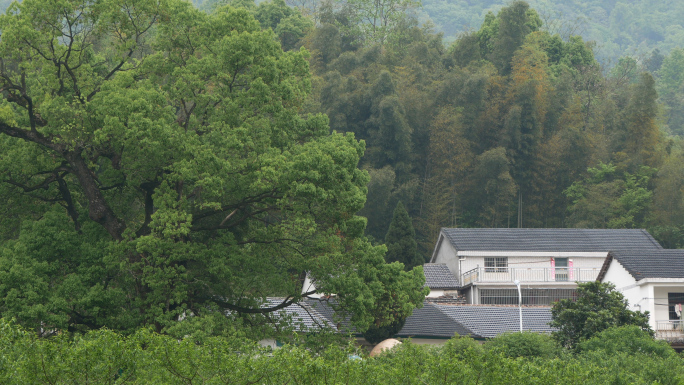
(496, 264)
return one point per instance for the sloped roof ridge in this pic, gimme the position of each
(548, 239)
(648, 235)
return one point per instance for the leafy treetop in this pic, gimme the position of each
(598, 307)
(155, 165)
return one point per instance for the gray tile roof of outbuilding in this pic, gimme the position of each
(439, 320)
(666, 263)
(438, 276)
(578, 240)
(303, 315)
(490, 321)
(323, 308)
(429, 321)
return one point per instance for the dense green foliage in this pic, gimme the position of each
(526, 344)
(598, 307)
(506, 127)
(401, 240)
(149, 358)
(156, 166)
(162, 163)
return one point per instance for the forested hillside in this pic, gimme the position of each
(620, 27)
(511, 125)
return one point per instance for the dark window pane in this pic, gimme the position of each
(672, 300)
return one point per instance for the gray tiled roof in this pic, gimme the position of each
(429, 321)
(578, 240)
(304, 317)
(666, 263)
(440, 320)
(323, 308)
(438, 276)
(490, 321)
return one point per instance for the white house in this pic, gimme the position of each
(653, 281)
(546, 262)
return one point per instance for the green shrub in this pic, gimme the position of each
(526, 344)
(628, 339)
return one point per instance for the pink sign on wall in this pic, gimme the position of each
(572, 278)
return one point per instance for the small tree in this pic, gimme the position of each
(598, 307)
(401, 240)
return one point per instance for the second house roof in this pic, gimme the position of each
(578, 240)
(640, 263)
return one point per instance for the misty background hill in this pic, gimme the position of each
(619, 28)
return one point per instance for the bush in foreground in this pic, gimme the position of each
(145, 357)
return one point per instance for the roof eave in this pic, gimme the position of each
(604, 268)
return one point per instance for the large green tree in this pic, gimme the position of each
(154, 166)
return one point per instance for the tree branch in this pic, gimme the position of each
(289, 300)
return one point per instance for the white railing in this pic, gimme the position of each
(529, 274)
(670, 330)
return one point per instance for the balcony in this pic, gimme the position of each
(529, 274)
(672, 330)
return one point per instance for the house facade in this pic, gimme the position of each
(547, 263)
(653, 281)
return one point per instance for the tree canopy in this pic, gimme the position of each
(503, 127)
(598, 307)
(156, 166)
(401, 240)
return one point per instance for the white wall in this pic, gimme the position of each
(529, 270)
(472, 262)
(446, 253)
(660, 298)
(309, 286)
(638, 297)
(435, 293)
(644, 295)
(660, 312)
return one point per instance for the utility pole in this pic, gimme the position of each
(517, 283)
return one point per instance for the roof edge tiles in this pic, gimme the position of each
(549, 240)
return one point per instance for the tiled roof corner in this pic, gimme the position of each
(438, 276)
(429, 321)
(645, 263)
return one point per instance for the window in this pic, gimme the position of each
(674, 299)
(561, 269)
(496, 265)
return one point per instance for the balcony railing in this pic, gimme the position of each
(670, 330)
(529, 274)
